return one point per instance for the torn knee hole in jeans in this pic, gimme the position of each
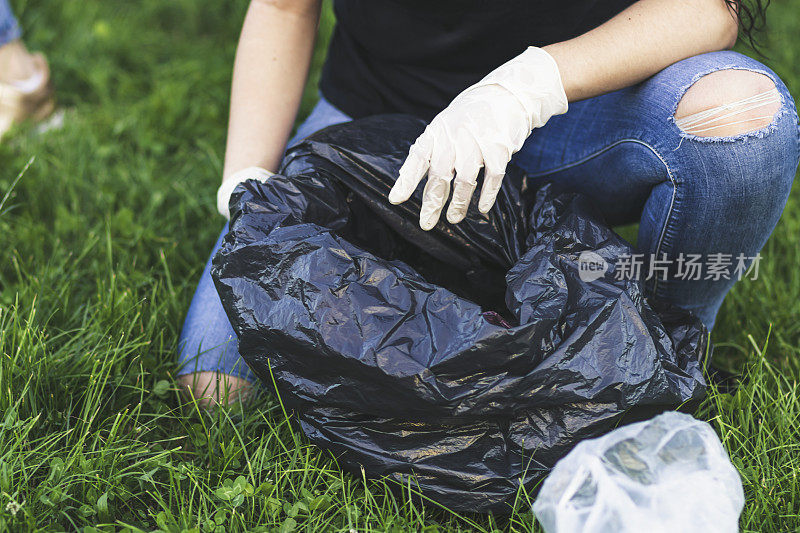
(738, 113)
(748, 109)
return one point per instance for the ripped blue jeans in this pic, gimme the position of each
(712, 197)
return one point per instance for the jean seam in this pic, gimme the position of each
(670, 175)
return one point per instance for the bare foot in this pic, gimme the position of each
(25, 87)
(212, 388)
(16, 62)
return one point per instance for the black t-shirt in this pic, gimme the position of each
(415, 56)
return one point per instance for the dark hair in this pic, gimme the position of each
(752, 16)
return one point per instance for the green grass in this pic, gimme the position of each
(103, 239)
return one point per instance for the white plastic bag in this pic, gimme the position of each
(668, 474)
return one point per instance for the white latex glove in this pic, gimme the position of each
(482, 127)
(226, 189)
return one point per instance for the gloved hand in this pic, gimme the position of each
(482, 127)
(226, 189)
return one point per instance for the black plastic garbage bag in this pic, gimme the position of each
(472, 356)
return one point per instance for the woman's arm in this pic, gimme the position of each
(642, 40)
(489, 121)
(269, 74)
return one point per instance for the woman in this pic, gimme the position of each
(633, 103)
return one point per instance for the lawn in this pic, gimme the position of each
(104, 236)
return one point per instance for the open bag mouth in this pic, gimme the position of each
(472, 356)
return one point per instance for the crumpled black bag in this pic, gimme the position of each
(472, 356)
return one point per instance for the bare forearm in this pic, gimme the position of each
(270, 70)
(639, 42)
